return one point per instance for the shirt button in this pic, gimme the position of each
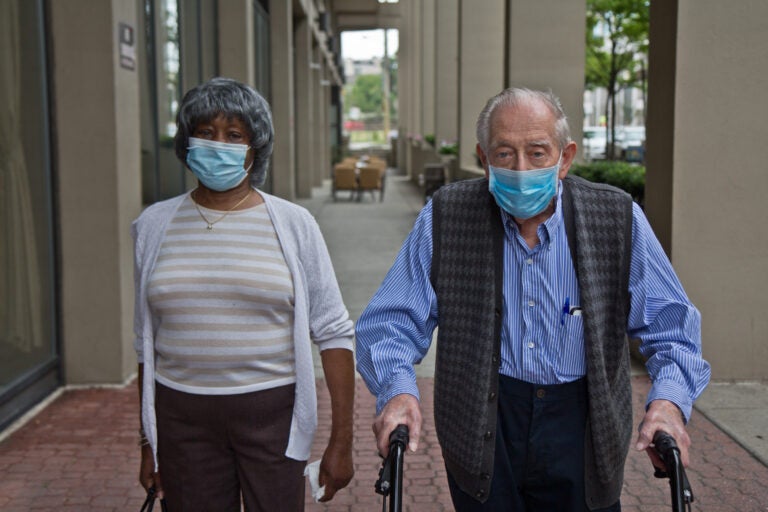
(530, 344)
(531, 303)
(540, 393)
(529, 261)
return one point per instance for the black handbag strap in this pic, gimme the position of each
(149, 503)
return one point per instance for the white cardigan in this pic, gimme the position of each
(320, 315)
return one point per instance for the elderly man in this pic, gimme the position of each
(534, 280)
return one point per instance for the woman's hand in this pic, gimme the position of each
(147, 475)
(336, 468)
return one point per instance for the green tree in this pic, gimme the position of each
(366, 94)
(617, 49)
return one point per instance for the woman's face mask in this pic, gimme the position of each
(523, 194)
(218, 165)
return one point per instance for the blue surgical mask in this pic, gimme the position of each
(218, 165)
(523, 194)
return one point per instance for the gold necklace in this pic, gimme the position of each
(211, 223)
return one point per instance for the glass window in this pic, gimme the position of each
(263, 77)
(163, 176)
(29, 363)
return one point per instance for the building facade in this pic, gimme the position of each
(90, 89)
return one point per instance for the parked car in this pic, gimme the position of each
(594, 143)
(631, 142)
(629, 146)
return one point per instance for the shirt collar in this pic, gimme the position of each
(548, 230)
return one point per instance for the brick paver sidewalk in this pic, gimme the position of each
(80, 454)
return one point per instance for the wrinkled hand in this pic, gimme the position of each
(336, 469)
(663, 415)
(400, 410)
(147, 475)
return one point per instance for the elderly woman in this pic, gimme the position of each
(232, 284)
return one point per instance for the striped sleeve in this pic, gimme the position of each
(665, 320)
(395, 330)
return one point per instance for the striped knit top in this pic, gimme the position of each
(223, 301)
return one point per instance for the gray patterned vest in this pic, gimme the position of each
(467, 266)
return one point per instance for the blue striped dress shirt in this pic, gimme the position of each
(542, 334)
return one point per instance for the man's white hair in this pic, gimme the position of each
(515, 96)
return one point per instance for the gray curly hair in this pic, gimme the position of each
(231, 99)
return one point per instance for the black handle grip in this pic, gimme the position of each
(399, 435)
(669, 452)
(390, 482)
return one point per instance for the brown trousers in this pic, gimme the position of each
(214, 448)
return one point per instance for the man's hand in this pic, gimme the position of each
(336, 469)
(663, 415)
(400, 410)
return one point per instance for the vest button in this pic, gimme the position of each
(491, 395)
(497, 312)
(487, 436)
(480, 493)
(540, 393)
(485, 476)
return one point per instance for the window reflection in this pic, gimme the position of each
(168, 76)
(162, 173)
(27, 344)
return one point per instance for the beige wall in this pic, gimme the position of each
(446, 70)
(236, 51)
(98, 167)
(719, 220)
(305, 117)
(283, 108)
(547, 51)
(481, 67)
(427, 32)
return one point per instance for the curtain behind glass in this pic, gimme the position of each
(20, 284)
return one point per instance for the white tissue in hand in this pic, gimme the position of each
(313, 472)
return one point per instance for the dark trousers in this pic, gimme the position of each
(213, 448)
(539, 458)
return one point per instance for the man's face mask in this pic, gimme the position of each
(523, 194)
(218, 165)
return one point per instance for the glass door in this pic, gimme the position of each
(29, 354)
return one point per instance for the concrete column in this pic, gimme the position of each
(99, 191)
(415, 70)
(236, 50)
(546, 50)
(281, 53)
(660, 121)
(404, 94)
(427, 92)
(326, 128)
(317, 105)
(719, 185)
(481, 68)
(446, 69)
(305, 130)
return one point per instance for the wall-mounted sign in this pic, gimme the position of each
(127, 46)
